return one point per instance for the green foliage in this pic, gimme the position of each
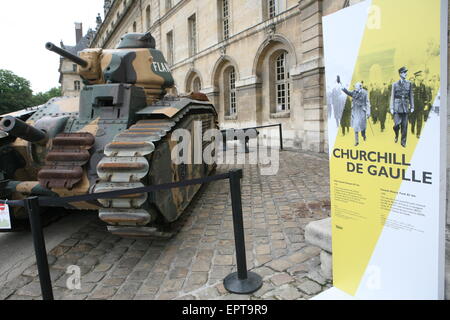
(16, 93)
(43, 97)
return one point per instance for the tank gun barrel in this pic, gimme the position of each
(50, 46)
(17, 128)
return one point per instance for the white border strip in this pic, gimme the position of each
(443, 148)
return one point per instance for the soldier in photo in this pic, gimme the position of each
(337, 100)
(429, 95)
(345, 120)
(360, 110)
(329, 104)
(375, 100)
(383, 109)
(413, 116)
(420, 102)
(401, 105)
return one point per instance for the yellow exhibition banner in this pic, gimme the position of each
(386, 78)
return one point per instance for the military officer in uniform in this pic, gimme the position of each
(383, 108)
(337, 100)
(360, 110)
(373, 89)
(420, 101)
(402, 104)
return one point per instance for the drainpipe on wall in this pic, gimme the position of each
(142, 21)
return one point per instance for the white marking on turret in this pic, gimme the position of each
(160, 67)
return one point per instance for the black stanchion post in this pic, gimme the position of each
(247, 148)
(224, 140)
(281, 136)
(240, 282)
(32, 206)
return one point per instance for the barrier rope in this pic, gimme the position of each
(240, 282)
(57, 202)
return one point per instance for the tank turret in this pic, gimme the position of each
(135, 61)
(137, 40)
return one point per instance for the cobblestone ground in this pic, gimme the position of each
(193, 264)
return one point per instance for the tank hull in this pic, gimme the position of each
(91, 152)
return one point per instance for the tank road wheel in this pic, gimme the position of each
(141, 155)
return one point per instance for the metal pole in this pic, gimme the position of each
(224, 141)
(32, 206)
(247, 148)
(240, 282)
(238, 222)
(281, 136)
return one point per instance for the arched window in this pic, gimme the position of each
(230, 91)
(147, 18)
(196, 85)
(134, 26)
(193, 82)
(282, 83)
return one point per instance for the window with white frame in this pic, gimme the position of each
(168, 4)
(225, 19)
(232, 91)
(147, 18)
(77, 85)
(170, 52)
(282, 83)
(272, 8)
(196, 85)
(192, 23)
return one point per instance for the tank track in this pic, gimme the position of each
(64, 162)
(127, 161)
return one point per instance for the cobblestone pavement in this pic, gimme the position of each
(193, 264)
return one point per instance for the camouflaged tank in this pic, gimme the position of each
(116, 135)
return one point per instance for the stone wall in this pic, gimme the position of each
(253, 43)
(68, 77)
(297, 28)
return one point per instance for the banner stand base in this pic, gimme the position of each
(333, 294)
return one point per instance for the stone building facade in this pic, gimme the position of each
(260, 62)
(71, 82)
